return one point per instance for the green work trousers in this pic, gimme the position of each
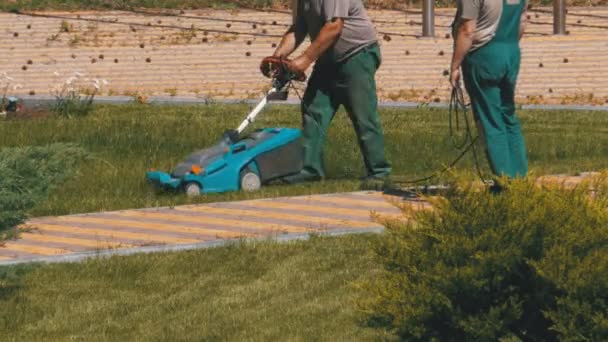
(350, 83)
(490, 75)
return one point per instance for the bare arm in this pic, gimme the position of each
(328, 35)
(291, 40)
(523, 22)
(462, 45)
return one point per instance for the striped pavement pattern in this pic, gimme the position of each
(196, 226)
(216, 222)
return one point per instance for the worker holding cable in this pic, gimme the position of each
(346, 55)
(486, 46)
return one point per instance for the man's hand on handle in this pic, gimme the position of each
(328, 35)
(273, 67)
(270, 66)
(300, 64)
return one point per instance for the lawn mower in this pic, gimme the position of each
(241, 163)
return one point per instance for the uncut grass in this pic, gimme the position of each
(264, 291)
(128, 140)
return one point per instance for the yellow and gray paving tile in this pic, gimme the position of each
(73, 237)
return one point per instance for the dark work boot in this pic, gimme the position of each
(301, 177)
(378, 182)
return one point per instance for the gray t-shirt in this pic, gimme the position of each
(358, 32)
(486, 12)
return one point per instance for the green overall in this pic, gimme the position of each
(350, 83)
(490, 74)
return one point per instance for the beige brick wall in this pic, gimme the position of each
(188, 55)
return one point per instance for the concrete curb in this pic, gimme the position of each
(77, 257)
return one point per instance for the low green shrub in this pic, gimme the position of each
(528, 264)
(27, 174)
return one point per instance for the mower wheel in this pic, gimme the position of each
(250, 181)
(192, 189)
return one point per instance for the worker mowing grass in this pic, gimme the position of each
(346, 54)
(486, 46)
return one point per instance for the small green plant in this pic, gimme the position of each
(405, 94)
(74, 40)
(52, 38)
(225, 38)
(74, 97)
(171, 91)
(528, 264)
(136, 96)
(188, 35)
(65, 26)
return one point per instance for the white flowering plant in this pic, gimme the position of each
(6, 85)
(74, 95)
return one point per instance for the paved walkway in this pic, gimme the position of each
(215, 54)
(65, 238)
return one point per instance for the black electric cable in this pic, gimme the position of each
(457, 107)
(571, 14)
(200, 17)
(134, 24)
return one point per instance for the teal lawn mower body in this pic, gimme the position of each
(247, 164)
(238, 163)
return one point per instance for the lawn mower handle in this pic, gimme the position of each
(278, 84)
(252, 115)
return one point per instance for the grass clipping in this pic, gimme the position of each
(27, 174)
(530, 263)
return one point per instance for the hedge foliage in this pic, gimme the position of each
(527, 264)
(28, 173)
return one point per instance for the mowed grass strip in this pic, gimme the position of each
(128, 140)
(261, 291)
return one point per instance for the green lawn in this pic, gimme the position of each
(298, 291)
(125, 141)
(253, 291)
